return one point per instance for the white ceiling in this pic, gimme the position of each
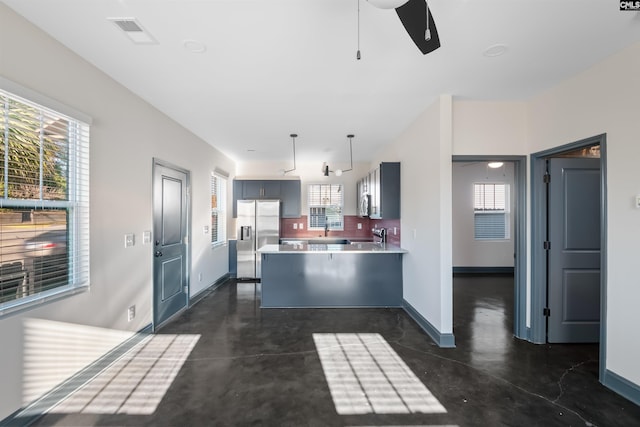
(273, 67)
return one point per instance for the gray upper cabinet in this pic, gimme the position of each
(254, 189)
(384, 189)
(290, 194)
(287, 191)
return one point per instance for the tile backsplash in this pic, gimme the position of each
(290, 228)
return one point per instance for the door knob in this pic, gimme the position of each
(158, 254)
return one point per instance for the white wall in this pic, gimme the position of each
(489, 127)
(424, 150)
(467, 251)
(127, 133)
(606, 99)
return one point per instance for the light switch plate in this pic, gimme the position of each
(205, 229)
(359, 226)
(129, 240)
(146, 237)
(301, 226)
(295, 226)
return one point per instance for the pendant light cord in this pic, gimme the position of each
(293, 138)
(358, 56)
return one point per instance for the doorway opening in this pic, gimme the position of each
(491, 216)
(568, 277)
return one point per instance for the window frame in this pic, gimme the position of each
(483, 214)
(76, 204)
(311, 205)
(219, 184)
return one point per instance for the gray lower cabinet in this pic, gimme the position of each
(287, 191)
(331, 280)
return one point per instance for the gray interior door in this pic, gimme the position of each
(573, 286)
(170, 237)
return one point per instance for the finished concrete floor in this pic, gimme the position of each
(261, 367)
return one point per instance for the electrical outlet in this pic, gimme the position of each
(146, 237)
(129, 240)
(295, 226)
(131, 313)
(205, 229)
(301, 226)
(359, 226)
(395, 231)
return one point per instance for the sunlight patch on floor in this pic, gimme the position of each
(136, 382)
(365, 375)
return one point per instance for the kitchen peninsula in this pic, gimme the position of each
(319, 275)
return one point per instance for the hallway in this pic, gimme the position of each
(269, 367)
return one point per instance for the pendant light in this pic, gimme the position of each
(293, 138)
(340, 171)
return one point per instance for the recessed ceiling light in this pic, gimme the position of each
(194, 46)
(495, 50)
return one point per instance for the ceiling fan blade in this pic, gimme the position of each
(413, 16)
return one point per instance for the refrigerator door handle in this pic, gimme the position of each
(245, 232)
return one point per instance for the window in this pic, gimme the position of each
(491, 211)
(325, 206)
(218, 209)
(44, 203)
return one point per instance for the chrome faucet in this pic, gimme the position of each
(381, 233)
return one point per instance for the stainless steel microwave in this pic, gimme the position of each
(365, 205)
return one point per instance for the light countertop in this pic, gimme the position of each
(356, 247)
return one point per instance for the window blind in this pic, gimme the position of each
(325, 206)
(218, 208)
(491, 217)
(489, 197)
(44, 202)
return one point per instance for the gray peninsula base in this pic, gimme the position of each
(322, 279)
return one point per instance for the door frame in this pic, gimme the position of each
(158, 162)
(538, 331)
(520, 235)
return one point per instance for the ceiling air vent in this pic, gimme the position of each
(133, 30)
(128, 25)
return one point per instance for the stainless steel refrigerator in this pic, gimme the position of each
(258, 225)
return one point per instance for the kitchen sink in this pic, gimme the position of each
(328, 241)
